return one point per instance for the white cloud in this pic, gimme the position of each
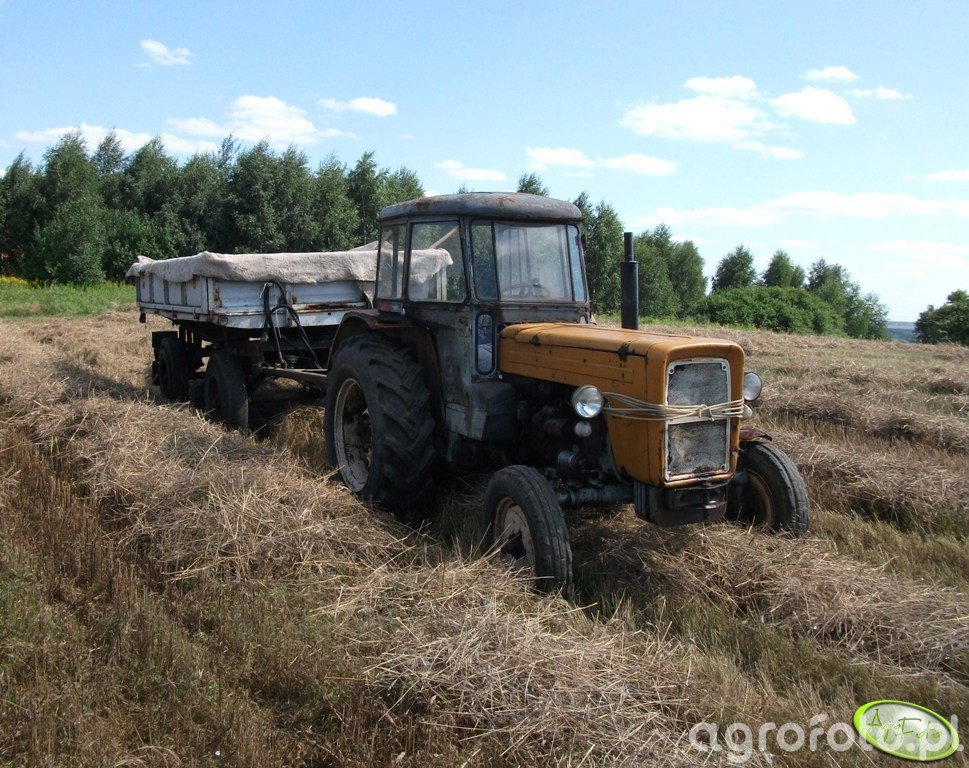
(253, 118)
(881, 92)
(131, 141)
(955, 174)
(457, 170)
(644, 164)
(701, 118)
(777, 153)
(818, 105)
(367, 104)
(839, 74)
(870, 206)
(735, 87)
(728, 110)
(163, 56)
(540, 158)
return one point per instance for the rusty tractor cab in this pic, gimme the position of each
(479, 351)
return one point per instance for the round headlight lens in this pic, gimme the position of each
(752, 386)
(587, 401)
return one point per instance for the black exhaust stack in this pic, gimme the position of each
(629, 282)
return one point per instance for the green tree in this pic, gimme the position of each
(780, 271)
(24, 205)
(127, 235)
(862, 317)
(656, 295)
(252, 190)
(735, 270)
(149, 180)
(403, 184)
(532, 184)
(293, 202)
(68, 173)
(333, 208)
(684, 270)
(109, 161)
(70, 245)
(201, 205)
(603, 252)
(948, 323)
(365, 182)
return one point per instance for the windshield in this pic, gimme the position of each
(527, 262)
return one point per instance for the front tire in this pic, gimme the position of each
(524, 524)
(774, 497)
(226, 397)
(379, 430)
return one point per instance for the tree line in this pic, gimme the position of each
(82, 217)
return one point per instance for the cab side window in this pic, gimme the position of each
(436, 264)
(390, 263)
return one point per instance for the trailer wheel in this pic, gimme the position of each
(173, 369)
(524, 524)
(774, 498)
(379, 428)
(226, 398)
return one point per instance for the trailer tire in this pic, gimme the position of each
(379, 429)
(524, 524)
(774, 497)
(226, 398)
(173, 369)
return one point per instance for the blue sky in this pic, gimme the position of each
(829, 129)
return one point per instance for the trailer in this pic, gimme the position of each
(253, 317)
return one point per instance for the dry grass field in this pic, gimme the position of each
(172, 594)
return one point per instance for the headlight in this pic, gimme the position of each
(587, 401)
(752, 386)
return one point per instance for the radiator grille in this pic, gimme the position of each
(697, 446)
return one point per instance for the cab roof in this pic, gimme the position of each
(489, 205)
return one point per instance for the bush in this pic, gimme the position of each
(788, 310)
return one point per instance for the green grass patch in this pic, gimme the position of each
(19, 299)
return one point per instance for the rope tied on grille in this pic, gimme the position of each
(625, 407)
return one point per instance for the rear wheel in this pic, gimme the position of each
(774, 497)
(524, 524)
(379, 429)
(226, 398)
(173, 369)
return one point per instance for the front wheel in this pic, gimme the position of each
(524, 525)
(774, 497)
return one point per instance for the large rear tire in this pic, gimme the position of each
(524, 524)
(226, 397)
(173, 369)
(379, 430)
(774, 497)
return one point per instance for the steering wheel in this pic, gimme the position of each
(533, 289)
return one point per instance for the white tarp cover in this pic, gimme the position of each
(359, 265)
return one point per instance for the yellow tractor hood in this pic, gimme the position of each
(593, 337)
(620, 361)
